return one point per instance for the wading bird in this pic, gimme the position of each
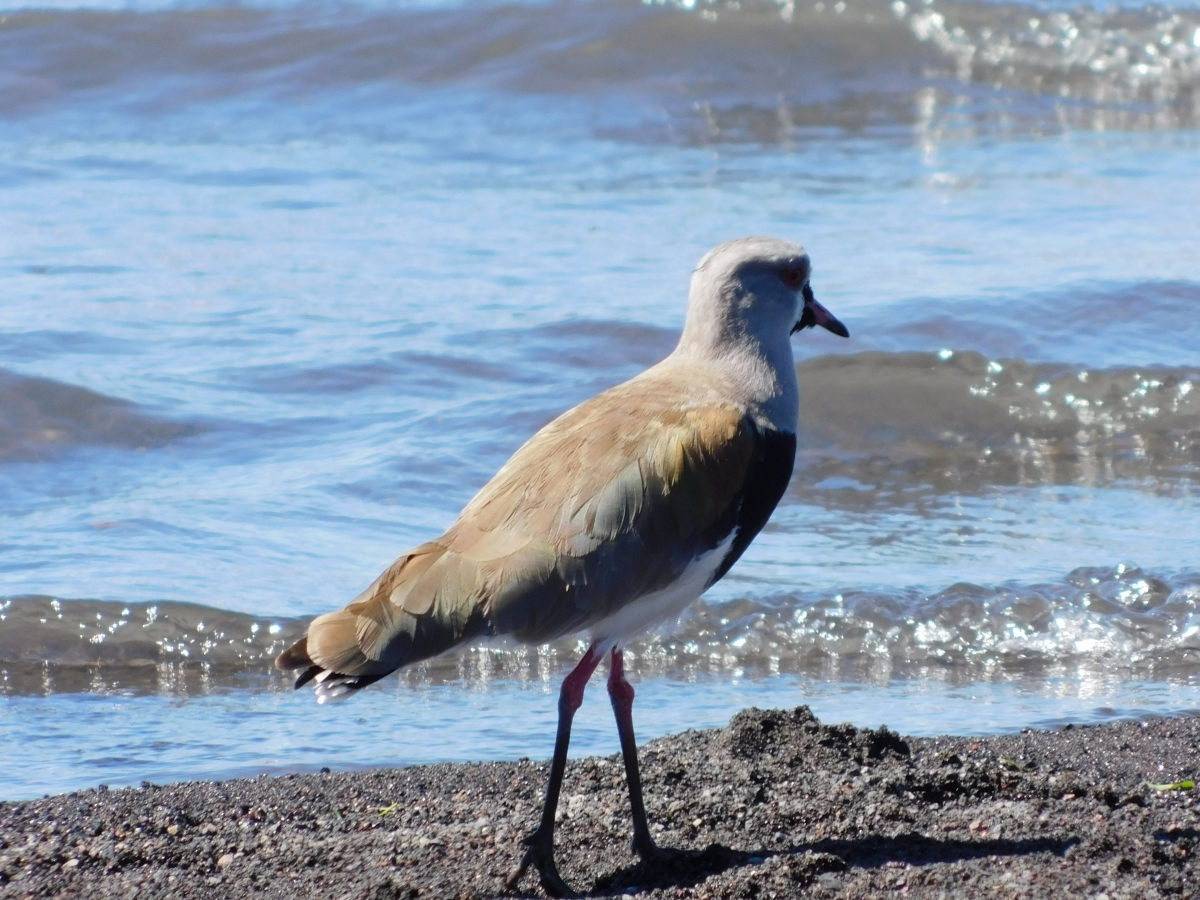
(610, 520)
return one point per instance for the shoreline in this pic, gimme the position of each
(775, 804)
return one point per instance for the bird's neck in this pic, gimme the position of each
(761, 374)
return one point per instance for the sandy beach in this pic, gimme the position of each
(774, 805)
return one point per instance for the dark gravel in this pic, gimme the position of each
(775, 805)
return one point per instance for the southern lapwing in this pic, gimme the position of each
(610, 520)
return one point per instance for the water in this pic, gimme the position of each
(284, 284)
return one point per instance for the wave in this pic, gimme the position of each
(1105, 620)
(1114, 58)
(873, 421)
(44, 638)
(40, 417)
(1096, 622)
(959, 421)
(1002, 403)
(726, 71)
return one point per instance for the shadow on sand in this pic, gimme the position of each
(687, 868)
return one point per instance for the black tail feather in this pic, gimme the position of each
(306, 676)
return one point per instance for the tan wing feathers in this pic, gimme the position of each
(623, 529)
(605, 504)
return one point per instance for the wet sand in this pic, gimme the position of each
(774, 805)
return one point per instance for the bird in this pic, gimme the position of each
(608, 521)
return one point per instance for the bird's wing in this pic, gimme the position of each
(612, 502)
(609, 502)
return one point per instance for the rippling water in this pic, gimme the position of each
(285, 283)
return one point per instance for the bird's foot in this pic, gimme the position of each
(539, 853)
(646, 849)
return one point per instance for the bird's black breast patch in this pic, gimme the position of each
(766, 479)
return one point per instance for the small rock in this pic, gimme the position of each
(172, 830)
(225, 861)
(392, 890)
(829, 881)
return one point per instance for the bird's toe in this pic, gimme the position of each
(539, 853)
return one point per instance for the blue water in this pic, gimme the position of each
(285, 284)
(87, 739)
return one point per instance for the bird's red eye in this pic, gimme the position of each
(793, 278)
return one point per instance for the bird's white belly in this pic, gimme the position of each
(650, 610)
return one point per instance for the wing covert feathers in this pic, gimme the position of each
(608, 503)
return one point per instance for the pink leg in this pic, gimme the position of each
(620, 691)
(575, 684)
(540, 844)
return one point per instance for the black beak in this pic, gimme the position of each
(815, 314)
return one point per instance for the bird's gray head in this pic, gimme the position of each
(755, 291)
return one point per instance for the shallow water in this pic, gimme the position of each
(284, 284)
